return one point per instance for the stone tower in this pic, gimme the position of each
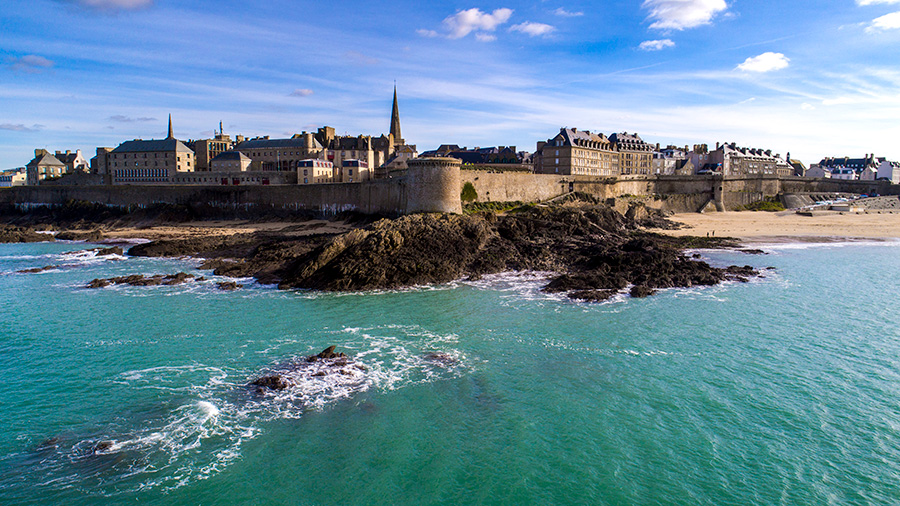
(395, 121)
(171, 132)
(433, 186)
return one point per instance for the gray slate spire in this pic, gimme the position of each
(171, 132)
(395, 120)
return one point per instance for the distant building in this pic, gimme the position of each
(230, 161)
(889, 170)
(14, 177)
(44, 166)
(280, 154)
(102, 162)
(207, 149)
(846, 168)
(739, 161)
(797, 165)
(668, 160)
(355, 171)
(74, 162)
(577, 153)
(635, 155)
(315, 172)
(150, 162)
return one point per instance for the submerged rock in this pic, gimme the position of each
(272, 382)
(141, 280)
(38, 269)
(228, 286)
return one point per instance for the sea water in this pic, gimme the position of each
(783, 390)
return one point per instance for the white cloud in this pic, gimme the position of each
(20, 127)
(465, 22)
(533, 29)
(807, 106)
(766, 62)
(114, 5)
(681, 14)
(126, 119)
(566, 14)
(426, 33)
(887, 22)
(301, 92)
(873, 2)
(656, 45)
(30, 63)
(485, 37)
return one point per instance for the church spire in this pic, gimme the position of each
(171, 132)
(395, 120)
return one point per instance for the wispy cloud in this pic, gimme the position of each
(656, 45)
(20, 127)
(360, 58)
(873, 2)
(465, 22)
(485, 37)
(887, 22)
(766, 62)
(427, 33)
(566, 14)
(301, 92)
(533, 29)
(112, 5)
(682, 14)
(30, 63)
(119, 118)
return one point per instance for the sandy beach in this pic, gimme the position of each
(227, 228)
(788, 226)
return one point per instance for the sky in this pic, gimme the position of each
(814, 79)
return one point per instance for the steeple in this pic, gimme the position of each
(395, 120)
(171, 132)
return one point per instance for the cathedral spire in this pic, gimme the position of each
(395, 120)
(171, 132)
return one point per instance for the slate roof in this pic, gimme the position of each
(139, 146)
(46, 159)
(294, 142)
(228, 156)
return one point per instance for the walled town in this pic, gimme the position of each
(697, 177)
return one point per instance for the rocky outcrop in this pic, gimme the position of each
(142, 280)
(80, 235)
(228, 286)
(596, 251)
(14, 234)
(319, 367)
(38, 269)
(100, 252)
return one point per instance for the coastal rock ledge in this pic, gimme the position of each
(595, 251)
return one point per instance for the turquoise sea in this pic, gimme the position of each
(784, 390)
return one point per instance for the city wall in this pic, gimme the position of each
(435, 185)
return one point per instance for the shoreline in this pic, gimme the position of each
(786, 227)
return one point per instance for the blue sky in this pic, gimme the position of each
(812, 78)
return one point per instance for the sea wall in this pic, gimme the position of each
(386, 197)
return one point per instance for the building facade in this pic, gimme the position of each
(280, 155)
(207, 149)
(44, 166)
(740, 161)
(577, 153)
(230, 161)
(13, 177)
(315, 171)
(151, 161)
(635, 155)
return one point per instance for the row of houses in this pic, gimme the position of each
(867, 168)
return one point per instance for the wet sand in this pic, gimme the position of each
(788, 226)
(227, 228)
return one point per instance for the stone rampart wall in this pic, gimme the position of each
(514, 186)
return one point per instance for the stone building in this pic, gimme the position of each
(102, 162)
(280, 154)
(315, 172)
(44, 166)
(865, 168)
(635, 155)
(577, 153)
(207, 149)
(14, 177)
(667, 161)
(230, 161)
(354, 171)
(75, 162)
(151, 161)
(739, 161)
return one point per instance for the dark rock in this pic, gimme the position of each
(98, 283)
(14, 234)
(38, 269)
(753, 251)
(592, 295)
(696, 256)
(272, 382)
(440, 358)
(326, 354)
(80, 235)
(103, 446)
(141, 280)
(100, 252)
(641, 291)
(229, 286)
